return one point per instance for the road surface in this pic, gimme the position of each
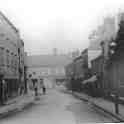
(57, 108)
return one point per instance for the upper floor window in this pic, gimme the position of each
(7, 57)
(12, 60)
(1, 56)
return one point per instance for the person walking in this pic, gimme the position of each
(4, 90)
(1, 89)
(36, 88)
(43, 87)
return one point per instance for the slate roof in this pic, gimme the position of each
(48, 60)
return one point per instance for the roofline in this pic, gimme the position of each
(35, 55)
(10, 23)
(84, 51)
(43, 66)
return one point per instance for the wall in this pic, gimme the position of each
(47, 71)
(8, 48)
(78, 68)
(115, 75)
(97, 65)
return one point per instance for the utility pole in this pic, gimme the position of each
(19, 68)
(116, 93)
(116, 103)
(25, 78)
(103, 64)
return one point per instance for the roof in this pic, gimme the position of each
(47, 60)
(10, 23)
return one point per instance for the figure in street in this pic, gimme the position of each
(36, 88)
(2, 91)
(43, 88)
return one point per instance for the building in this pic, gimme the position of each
(110, 63)
(115, 69)
(81, 64)
(10, 44)
(77, 71)
(97, 65)
(47, 67)
(69, 70)
(92, 54)
(105, 33)
(9, 38)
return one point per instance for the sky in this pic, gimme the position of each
(61, 24)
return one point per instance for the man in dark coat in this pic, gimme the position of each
(1, 90)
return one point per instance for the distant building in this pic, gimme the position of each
(78, 67)
(81, 65)
(55, 51)
(104, 33)
(47, 66)
(92, 54)
(97, 65)
(75, 54)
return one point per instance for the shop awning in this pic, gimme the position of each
(90, 80)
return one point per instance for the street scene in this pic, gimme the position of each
(61, 62)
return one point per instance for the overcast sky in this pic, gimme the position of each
(64, 24)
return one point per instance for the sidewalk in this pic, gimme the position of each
(103, 104)
(16, 104)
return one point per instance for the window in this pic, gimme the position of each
(1, 56)
(7, 57)
(15, 61)
(12, 60)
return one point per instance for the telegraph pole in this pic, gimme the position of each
(19, 68)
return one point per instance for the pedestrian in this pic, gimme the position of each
(4, 90)
(36, 87)
(43, 88)
(72, 84)
(1, 90)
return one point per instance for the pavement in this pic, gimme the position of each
(104, 105)
(56, 107)
(16, 104)
(60, 108)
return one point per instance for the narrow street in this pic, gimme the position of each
(57, 108)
